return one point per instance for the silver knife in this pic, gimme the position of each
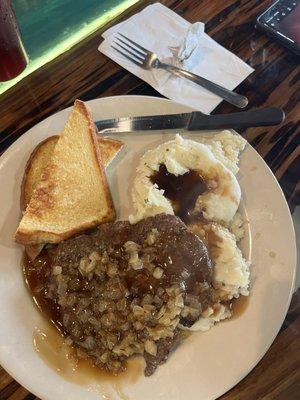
(193, 121)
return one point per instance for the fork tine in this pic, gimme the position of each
(128, 57)
(134, 43)
(130, 52)
(131, 47)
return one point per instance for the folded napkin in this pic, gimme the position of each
(176, 41)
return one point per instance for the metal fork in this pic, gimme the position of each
(148, 60)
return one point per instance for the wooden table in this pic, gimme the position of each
(86, 74)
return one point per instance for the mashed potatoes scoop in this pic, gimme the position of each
(218, 203)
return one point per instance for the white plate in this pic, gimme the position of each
(207, 364)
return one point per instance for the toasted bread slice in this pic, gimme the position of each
(33, 250)
(36, 163)
(109, 148)
(38, 160)
(73, 194)
(41, 155)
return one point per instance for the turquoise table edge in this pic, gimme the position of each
(85, 30)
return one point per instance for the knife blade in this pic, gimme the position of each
(145, 123)
(192, 121)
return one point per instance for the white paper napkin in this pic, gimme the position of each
(162, 31)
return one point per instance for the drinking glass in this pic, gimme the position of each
(13, 58)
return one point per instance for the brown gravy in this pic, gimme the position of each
(239, 306)
(49, 342)
(36, 273)
(50, 345)
(182, 190)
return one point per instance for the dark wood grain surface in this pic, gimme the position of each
(86, 74)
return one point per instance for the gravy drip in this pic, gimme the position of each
(239, 306)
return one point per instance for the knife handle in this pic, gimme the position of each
(246, 119)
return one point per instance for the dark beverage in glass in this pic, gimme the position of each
(13, 58)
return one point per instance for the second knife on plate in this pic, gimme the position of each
(193, 121)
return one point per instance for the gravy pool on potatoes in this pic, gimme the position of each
(182, 190)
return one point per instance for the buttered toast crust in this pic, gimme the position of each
(73, 194)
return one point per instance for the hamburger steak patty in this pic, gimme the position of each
(124, 289)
